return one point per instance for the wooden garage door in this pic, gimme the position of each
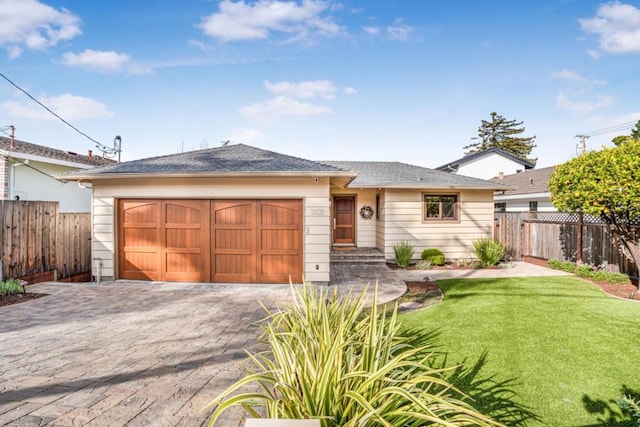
(242, 241)
(164, 240)
(257, 241)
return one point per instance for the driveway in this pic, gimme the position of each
(126, 353)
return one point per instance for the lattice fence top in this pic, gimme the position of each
(565, 217)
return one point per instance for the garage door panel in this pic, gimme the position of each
(183, 238)
(234, 238)
(281, 239)
(140, 266)
(234, 268)
(185, 245)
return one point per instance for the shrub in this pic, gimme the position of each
(331, 359)
(630, 406)
(10, 287)
(433, 255)
(489, 251)
(567, 266)
(584, 270)
(403, 252)
(554, 263)
(423, 265)
(617, 278)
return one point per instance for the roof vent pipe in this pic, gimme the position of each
(89, 154)
(13, 136)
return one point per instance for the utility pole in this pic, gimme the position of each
(582, 145)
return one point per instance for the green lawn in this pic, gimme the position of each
(566, 349)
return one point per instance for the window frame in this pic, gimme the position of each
(440, 219)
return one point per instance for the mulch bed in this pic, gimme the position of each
(629, 291)
(18, 298)
(447, 266)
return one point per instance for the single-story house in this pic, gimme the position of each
(27, 173)
(237, 213)
(487, 163)
(528, 191)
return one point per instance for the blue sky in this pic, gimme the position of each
(355, 80)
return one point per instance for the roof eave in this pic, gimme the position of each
(161, 175)
(431, 186)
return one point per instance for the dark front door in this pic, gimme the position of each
(344, 217)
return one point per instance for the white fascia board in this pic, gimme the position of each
(528, 196)
(49, 160)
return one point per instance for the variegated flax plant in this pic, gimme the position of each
(331, 359)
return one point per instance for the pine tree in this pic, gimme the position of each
(502, 133)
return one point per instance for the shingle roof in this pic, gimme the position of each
(237, 158)
(527, 182)
(402, 175)
(454, 165)
(22, 147)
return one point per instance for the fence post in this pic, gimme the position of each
(579, 248)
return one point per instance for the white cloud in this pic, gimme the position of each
(107, 61)
(618, 26)
(399, 32)
(246, 135)
(303, 90)
(259, 20)
(281, 106)
(582, 107)
(67, 106)
(372, 30)
(34, 25)
(575, 77)
(14, 52)
(594, 54)
(349, 90)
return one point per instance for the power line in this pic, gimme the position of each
(31, 167)
(611, 129)
(49, 110)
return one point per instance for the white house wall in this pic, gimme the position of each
(403, 212)
(365, 228)
(29, 184)
(490, 166)
(315, 195)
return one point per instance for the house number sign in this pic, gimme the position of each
(318, 212)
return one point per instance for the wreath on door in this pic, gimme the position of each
(366, 212)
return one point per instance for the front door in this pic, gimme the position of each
(344, 220)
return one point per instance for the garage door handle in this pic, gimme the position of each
(334, 223)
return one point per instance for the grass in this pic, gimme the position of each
(565, 349)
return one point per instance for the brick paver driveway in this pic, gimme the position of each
(126, 353)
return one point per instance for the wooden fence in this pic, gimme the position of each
(555, 235)
(38, 241)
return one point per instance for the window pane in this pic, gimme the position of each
(448, 209)
(432, 210)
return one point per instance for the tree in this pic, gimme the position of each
(502, 133)
(635, 133)
(604, 183)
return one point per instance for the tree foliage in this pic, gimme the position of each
(604, 183)
(504, 134)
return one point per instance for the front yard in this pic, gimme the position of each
(567, 350)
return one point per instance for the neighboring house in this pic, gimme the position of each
(487, 163)
(528, 192)
(27, 173)
(242, 214)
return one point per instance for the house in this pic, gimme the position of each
(528, 191)
(238, 213)
(27, 173)
(487, 163)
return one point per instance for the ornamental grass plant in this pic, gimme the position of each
(329, 358)
(489, 251)
(403, 252)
